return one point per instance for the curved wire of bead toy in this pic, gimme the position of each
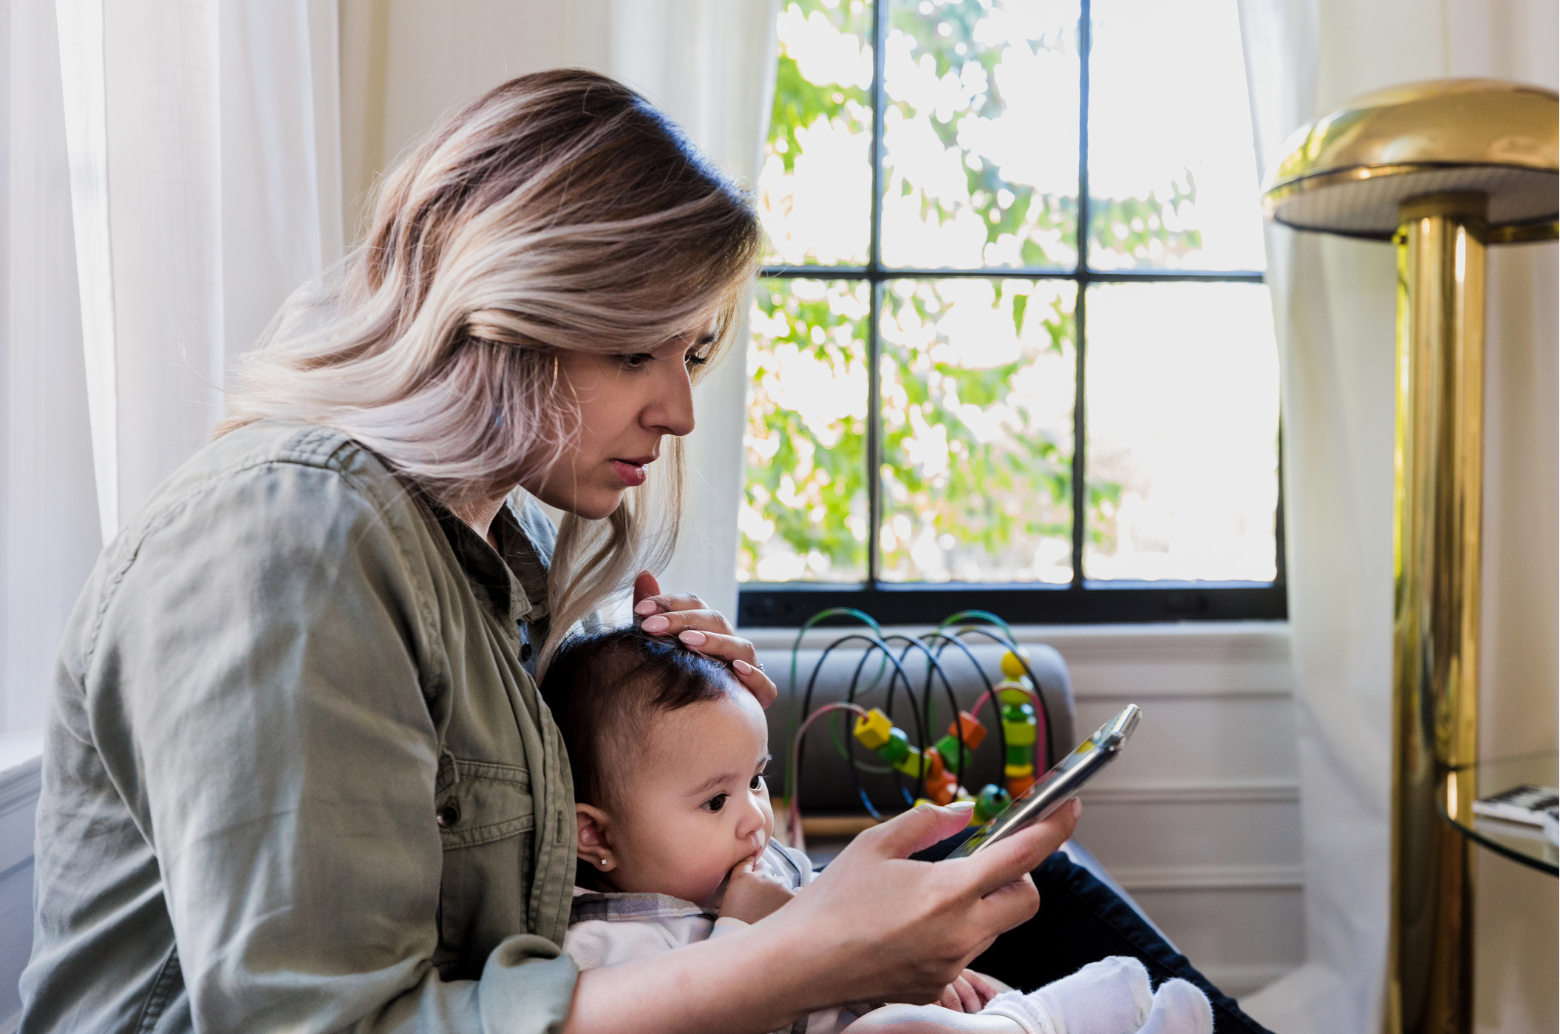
(934, 768)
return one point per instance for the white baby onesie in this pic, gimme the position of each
(608, 929)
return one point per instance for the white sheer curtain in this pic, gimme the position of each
(50, 531)
(711, 65)
(172, 174)
(1334, 310)
(195, 186)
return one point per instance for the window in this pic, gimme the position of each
(940, 356)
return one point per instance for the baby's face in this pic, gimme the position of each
(696, 803)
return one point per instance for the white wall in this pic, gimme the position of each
(406, 62)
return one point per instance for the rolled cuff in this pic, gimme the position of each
(527, 987)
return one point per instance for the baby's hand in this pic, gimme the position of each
(750, 895)
(970, 992)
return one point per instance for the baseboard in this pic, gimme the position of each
(1210, 877)
(1131, 691)
(1238, 642)
(1231, 791)
(19, 787)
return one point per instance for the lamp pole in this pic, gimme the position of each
(1442, 169)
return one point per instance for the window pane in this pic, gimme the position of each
(981, 134)
(1182, 461)
(977, 430)
(815, 189)
(1172, 171)
(804, 511)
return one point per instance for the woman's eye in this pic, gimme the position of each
(696, 360)
(716, 803)
(635, 360)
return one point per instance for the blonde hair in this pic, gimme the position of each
(558, 212)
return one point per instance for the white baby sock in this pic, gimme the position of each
(1110, 996)
(1179, 1008)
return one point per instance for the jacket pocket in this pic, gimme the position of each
(486, 819)
(478, 802)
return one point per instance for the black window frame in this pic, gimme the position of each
(1083, 601)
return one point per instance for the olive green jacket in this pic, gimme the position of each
(297, 776)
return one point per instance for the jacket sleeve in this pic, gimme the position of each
(262, 674)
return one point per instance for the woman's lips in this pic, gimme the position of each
(632, 474)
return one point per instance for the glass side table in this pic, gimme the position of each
(1461, 786)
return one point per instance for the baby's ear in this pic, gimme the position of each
(593, 844)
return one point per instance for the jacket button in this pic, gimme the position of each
(525, 651)
(448, 815)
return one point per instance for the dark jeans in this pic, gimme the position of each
(1080, 921)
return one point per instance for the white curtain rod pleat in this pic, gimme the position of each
(82, 72)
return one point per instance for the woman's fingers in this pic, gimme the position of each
(645, 586)
(737, 652)
(1006, 860)
(650, 600)
(917, 828)
(672, 622)
(689, 613)
(753, 678)
(706, 632)
(1008, 905)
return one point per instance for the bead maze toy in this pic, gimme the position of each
(923, 770)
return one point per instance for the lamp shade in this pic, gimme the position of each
(1349, 173)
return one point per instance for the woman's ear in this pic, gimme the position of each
(594, 844)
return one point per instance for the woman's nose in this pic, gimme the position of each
(671, 410)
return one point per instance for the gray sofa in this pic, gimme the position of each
(826, 786)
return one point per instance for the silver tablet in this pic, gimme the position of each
(1058, 785)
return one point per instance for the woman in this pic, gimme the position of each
(298, 775)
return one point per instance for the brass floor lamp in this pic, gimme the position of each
(1442, 169)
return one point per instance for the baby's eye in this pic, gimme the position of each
(716, 803)
(758, 781)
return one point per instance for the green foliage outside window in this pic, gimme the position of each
(977, 452)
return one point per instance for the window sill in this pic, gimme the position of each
(21, 761)
(1229, 640)
(21, 779)
(787, 605)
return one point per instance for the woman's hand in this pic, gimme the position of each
(701, 630)
(905, 930)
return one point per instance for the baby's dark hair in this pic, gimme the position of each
(602, 687)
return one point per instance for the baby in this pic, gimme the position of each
(675, 846)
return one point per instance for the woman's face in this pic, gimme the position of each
(627, 404)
